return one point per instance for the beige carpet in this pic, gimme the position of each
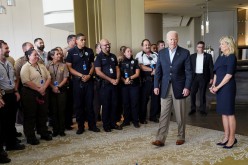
(131, 146)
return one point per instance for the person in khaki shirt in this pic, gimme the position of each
(35, 79)
(59, 75)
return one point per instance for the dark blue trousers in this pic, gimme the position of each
(83, 103)
(130, 101)
(109, 100)
(147, 90)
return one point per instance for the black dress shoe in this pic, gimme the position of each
(3, 153)
(136, 125)
(143, 122)
(33, 141)
(107, 129)
(46, 137)
(191, 112)
(80, 131)
(125, 124)
(4, 159)
(203, 113)
(117, 127)
(18, 140)
(94, 129)
(222, 144)
(62, 134)
(55, 134)
(155, 120)
(234, 143)
(16, 146)
(18, 134)
(50, 132)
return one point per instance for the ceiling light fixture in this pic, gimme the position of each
(207, 21)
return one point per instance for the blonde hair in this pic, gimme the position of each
(229, 40)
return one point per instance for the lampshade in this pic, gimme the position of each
(2, 9)
(207, 21)
(207, 26)
(202, 29)
(11, 2)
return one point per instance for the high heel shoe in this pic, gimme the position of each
(222, 144)
(229, 147)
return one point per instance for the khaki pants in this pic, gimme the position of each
(180, 113)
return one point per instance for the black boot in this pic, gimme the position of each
(4, 157)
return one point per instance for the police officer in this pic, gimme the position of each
(80, 62)
(130, 88)
(59, 74)
(147, 60)
(10, 97)
(106, 67)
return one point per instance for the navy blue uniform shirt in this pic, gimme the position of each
(128, 67)
(81, 59)
(107, 63)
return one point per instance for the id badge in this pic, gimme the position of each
(126, 75)
(55, 83)
(41, 81)
(111, 71)
(84, 67)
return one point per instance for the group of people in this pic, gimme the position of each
(178, 73)
(51, 86)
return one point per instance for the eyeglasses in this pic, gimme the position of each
(199, 47)
(109, 44)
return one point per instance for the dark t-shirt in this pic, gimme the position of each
(107, 63)
(128, 67)
(81, 59)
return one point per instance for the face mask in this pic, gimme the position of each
(41, 48)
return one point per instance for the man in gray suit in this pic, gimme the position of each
(172, 80)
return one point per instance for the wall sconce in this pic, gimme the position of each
(11, 2)
(189, 44)
(2, 9)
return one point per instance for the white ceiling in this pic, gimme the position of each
(192, 8)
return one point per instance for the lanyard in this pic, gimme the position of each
(39, 70)
(55, 73)
(7, 70)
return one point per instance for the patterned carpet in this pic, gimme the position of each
(133, 146)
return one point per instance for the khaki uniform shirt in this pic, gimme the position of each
(58, 71)
(18, 65)
(34, 74)
(20, 62)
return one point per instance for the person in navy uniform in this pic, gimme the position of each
(130, 72)
(107, 69)
(147, 61)
(80, 62)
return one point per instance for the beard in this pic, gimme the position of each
(6, 55)
(41, 48)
